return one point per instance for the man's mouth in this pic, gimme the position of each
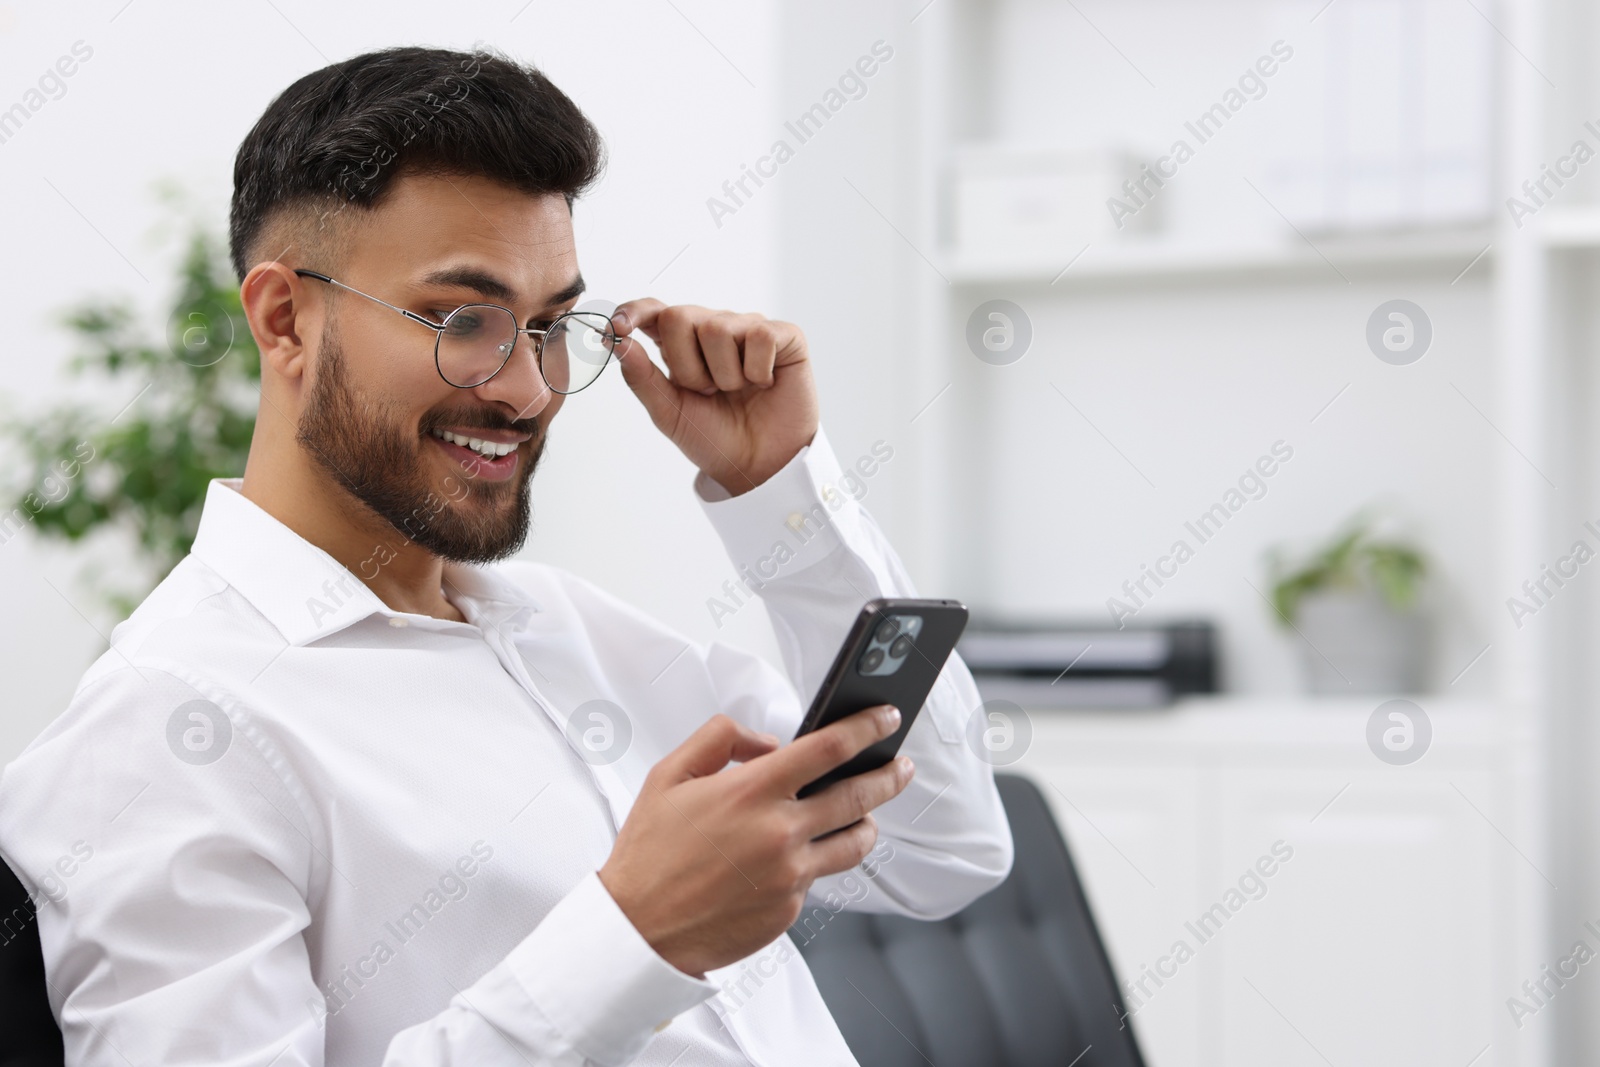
(485, 448)
(492, 456)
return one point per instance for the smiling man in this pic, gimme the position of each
(350, 787)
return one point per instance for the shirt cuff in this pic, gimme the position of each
(597, 980)
(793, 519)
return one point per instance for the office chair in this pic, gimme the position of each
(1019, 978)
(28, 1034)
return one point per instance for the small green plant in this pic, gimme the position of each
(188, 405)
(1353, 560)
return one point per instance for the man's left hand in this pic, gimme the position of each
(737, 398)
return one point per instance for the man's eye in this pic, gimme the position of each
(471, 322)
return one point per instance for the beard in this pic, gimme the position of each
(368, 448)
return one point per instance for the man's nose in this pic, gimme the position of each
(519, 384)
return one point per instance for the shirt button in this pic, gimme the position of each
(397, 622)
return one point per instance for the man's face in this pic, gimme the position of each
(376, 405)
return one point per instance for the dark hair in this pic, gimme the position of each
(339, 136)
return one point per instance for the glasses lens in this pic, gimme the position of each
(576, 350)
(475, 343)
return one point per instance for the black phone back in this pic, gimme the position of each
(892, 655)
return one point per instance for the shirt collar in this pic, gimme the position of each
(305, 592)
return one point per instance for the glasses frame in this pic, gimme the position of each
(537, 335)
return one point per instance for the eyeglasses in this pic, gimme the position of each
(474, 342)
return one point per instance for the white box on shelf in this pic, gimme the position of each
(1390, 127)
(1017, 198)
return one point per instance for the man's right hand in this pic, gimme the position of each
(710, 867)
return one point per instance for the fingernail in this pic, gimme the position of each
(889, 718)
(620, 320)
(907, 768)
(771, 739)
(709, 390)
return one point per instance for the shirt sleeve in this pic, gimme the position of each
(172, 858)
(584, 987)
(805, 545)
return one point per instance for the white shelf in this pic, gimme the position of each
(1333, 259)
(1571, 228)
(1231, 727)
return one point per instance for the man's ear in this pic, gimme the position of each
(276, 304)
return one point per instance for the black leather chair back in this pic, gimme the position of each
(1019, 978)
(28, 1034)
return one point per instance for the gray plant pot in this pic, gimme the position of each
(1356, 644)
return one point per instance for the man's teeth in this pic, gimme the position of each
(487, 449)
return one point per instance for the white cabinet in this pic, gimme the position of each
(1332, 907)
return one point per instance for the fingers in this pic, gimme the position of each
(638, 314)
(753, 743)
(761, 352)
(719, 337)
(675, 335)
(718, 742)
(673, 331)
(709, 351)
(808, 758)
(847, 801)
(843, 850)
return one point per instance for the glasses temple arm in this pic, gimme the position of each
(412, 315)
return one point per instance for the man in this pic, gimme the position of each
(341, 792)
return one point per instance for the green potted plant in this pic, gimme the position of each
(1356, 603)
(80, 470)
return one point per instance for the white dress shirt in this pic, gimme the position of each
(280, 823)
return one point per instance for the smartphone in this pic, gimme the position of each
(892, 655)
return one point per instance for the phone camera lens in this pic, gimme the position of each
(901, 646)
(872, 660)
(887, 629)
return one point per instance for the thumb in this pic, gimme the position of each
(654, 389)
(718, 742)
